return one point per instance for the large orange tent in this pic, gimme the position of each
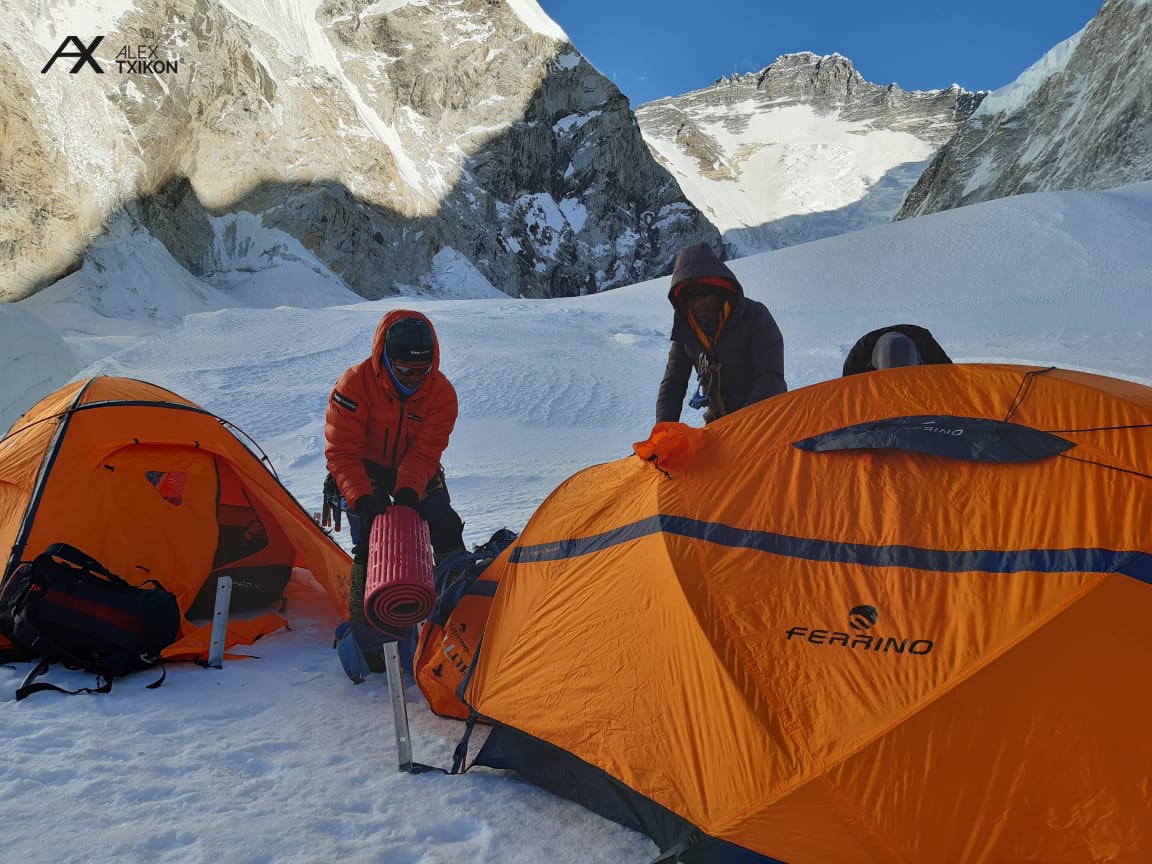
(155, 487)
(904, 616)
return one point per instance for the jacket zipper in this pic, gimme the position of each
(396, 441)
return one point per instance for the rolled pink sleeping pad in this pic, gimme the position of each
(398, 590)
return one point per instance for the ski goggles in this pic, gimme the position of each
(411, 371)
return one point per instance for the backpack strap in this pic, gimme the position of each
(81, 560)
(27, 688)
(103, 685)
(450, 598)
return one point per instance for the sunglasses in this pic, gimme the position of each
(692, 293)
(411, 371)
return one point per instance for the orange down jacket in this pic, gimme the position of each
(367, 418)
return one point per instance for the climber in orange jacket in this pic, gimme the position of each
(388, 422)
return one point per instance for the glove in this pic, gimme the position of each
(367, 509)
(406, 498)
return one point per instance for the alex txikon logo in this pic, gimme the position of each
(861, 619)
(130, 59)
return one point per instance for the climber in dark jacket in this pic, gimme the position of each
(732, 342)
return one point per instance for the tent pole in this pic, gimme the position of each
(399, 709)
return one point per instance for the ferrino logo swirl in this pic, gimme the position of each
(861, 620)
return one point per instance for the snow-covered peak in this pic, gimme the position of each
(804, 148)
(1078, 118)
(537, 19)
(1014, 96)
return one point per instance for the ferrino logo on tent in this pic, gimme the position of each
(452, 651)
(861, 619)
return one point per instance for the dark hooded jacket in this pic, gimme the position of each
(859, 359)
(749, 350)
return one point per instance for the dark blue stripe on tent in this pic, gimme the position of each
(482, 588)
(1137, 565)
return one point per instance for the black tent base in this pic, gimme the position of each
(565, 775)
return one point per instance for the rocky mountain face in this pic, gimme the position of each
(804, 148)
(1080, 118)
(402, 143)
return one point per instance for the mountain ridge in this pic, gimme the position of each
(771, 131)
(1079, 118)
(378, 135)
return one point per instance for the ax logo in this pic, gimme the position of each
(85, 53)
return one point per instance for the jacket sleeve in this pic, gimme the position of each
(422, 459)
(674, 385)
(346, 437)
(767, 358)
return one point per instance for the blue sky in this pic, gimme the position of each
(655, 48)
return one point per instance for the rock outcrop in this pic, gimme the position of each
(381, 136)
(1080, 118)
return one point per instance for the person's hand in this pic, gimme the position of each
(367, 510)
(406, 498)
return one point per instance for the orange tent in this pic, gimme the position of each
(154, 487)
(896, 617)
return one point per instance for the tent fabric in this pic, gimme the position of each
(140, 478)
(858, 655)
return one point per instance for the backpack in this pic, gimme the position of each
(65, 607)
(451, 637)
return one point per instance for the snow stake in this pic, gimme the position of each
(220, 622)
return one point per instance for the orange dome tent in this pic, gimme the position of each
(897, 617)
(155, 487)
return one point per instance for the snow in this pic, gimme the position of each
(568, 60)
(85, 19)
(544, 219)
(534, 18)
(453, 275)
(574, 121)
(281, 758)
(383, 7)
(810, 164)
(292, 23)
(35, 360)
(575, 213)
(1012, 97)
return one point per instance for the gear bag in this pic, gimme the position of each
(451, 636)
(65, 607)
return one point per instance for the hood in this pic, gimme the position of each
(382, 329)
(698, 263)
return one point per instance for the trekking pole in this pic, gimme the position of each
(399, 709)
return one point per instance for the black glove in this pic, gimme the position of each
(367, 509)
(406, 498)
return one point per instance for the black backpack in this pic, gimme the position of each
(65, 607)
